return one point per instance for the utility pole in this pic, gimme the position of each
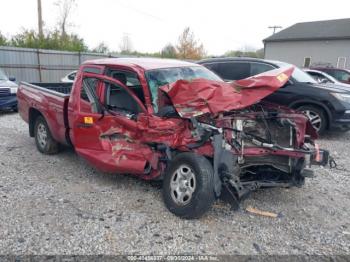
(274, 27)
(40, 19)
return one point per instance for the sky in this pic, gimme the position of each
(220, 25)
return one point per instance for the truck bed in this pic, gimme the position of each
(49, 100)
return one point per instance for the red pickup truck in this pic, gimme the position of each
(175, 121)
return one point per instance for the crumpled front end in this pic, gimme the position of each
(260, 146)
(250, 144)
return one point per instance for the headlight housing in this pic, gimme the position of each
(13, 90)
(342, 97)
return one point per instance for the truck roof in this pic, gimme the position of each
(143, 63)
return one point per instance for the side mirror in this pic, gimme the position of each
(325, 81)
(12, 78)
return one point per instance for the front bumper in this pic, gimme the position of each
(9, 101)
(341, 121)
(340, 126)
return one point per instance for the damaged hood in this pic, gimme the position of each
(201, 96)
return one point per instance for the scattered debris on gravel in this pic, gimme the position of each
(60, 205)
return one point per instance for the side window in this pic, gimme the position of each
(118, 99)
(342, 75)
(72, 76)
(234, 70)
(130, 79)
(318, 77)
(88, 96)
(95, 70)
(212, 67)
(330, 72)
(258, 68)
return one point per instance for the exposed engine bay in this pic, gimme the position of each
(260, 146)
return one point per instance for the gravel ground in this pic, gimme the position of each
(60, 205)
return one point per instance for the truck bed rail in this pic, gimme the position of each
(57, 89)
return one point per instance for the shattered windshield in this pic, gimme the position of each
(160, 77)
(3, 75)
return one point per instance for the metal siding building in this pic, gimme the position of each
(39, 65)
(312, 43)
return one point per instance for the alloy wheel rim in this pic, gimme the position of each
(314, 118)
(182, 185)
(42, 135)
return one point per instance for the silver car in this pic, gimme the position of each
(324, 78)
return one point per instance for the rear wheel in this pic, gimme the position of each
(43, 138)
(316, 116)
(188, 186)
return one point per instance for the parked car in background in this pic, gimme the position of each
(324, 78)
(179, 122)
(327, 107)
(342, 75)
(69, 78)
(8, 90)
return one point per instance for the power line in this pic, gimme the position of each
(139, 11)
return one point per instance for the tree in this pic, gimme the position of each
(65, 11)
(169, 51)
(126, 44)
(101, 48)
(239, 53)
(3, 40)
(188, 47)
(28, 38)
(50, 40)
(260, 53)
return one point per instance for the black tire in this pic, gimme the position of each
(50, 146)
(203, 195)
(319, 112)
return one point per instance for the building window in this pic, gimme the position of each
(307, 61)
(341, 62)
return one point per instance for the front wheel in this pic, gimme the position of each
(188, 186)
(316, 116)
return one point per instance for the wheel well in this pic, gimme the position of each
(33, 114)
(326, 113)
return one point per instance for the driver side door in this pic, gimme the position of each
(106, 118)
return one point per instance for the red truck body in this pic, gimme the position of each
(209, 116)
(53, 106)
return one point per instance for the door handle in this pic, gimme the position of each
(84, 125)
